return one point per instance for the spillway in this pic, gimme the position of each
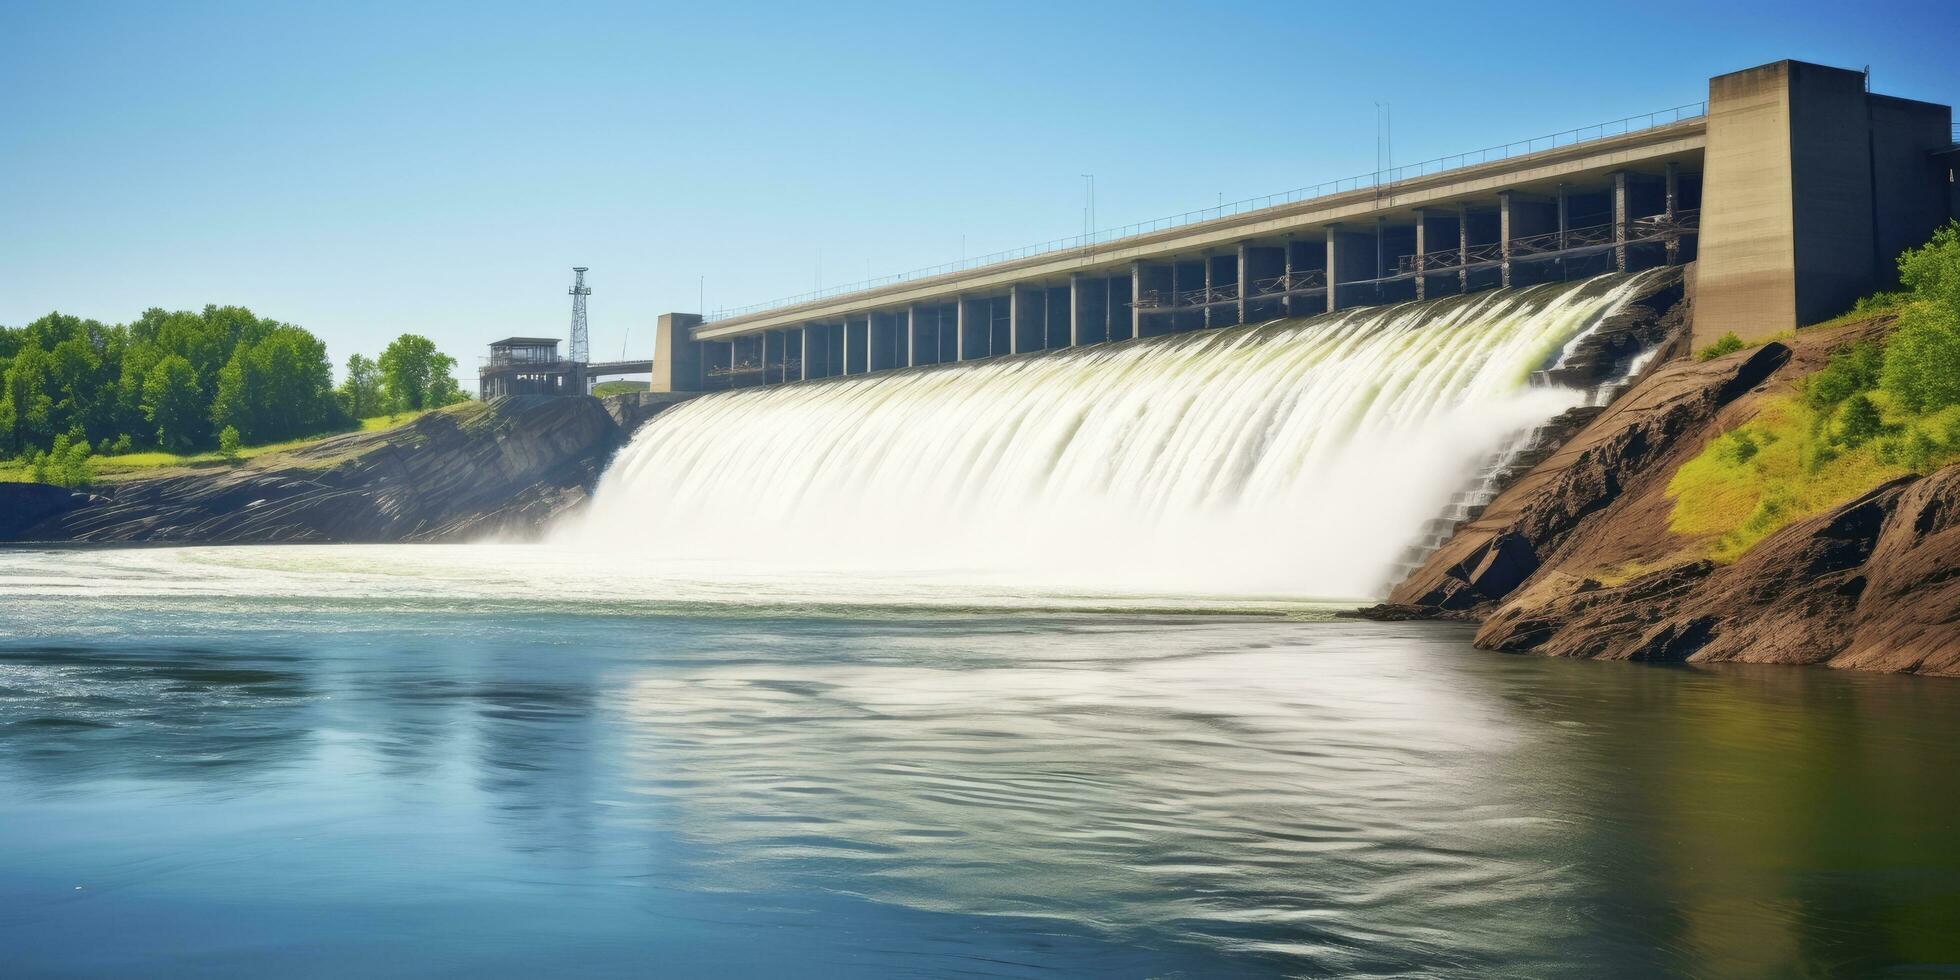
(1299, 457)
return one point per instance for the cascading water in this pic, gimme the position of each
(1295, 458)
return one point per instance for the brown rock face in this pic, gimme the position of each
(1873, 584)
(505, 467)
(1626, 445)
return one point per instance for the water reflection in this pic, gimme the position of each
(1013, 792)
(71, 714)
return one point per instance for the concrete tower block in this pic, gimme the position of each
(676, 354)
(1811, 185)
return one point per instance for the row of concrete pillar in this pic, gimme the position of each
(1445, 251)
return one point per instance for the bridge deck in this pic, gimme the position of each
(1645, 151)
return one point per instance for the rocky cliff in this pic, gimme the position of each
(1577, 558)
(499, 468)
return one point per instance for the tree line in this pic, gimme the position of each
(185, 382)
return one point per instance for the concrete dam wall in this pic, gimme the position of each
(1791, 187)
(1299, 457)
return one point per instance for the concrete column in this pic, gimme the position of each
(1673, 206)
(1245, 278)
(1463, 248)
(767, 376)
(1564, 217)
(1620, 221)
(915, 328)
(1178, 283)
(1423, 241)
(1136, 299)
(960, 318)
(1504, 202)
(1381, 255)
(676, 354)
(1333, 267)
(1286, 305)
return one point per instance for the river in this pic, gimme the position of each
(338, 761)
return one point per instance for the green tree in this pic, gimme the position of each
(228, 444)
(1932, 271)
(173, 404)
(26, 411)
(1922, 357)
(360, 391)
(416, 375)
(276, 387)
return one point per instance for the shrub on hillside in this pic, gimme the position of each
(1859, 421)
(1848, 373)
(1728, 343)
(66, 464)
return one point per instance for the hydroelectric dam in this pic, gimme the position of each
(1791, 186)
(1292, 395)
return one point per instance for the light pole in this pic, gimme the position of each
(1089, 212)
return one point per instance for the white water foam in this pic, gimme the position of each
(1295, 458)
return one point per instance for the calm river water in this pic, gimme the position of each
(391, 761)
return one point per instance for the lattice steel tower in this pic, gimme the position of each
(581, 343)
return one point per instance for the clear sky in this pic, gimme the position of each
(367, 169)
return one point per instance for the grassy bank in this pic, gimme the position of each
(1792, 461)
(1879, 410)
(604, 388)
(131, 466)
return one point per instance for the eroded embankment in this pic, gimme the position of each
(473, 470)
(1578, 557)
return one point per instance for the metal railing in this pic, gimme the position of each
(500, 361)
(1379, 178)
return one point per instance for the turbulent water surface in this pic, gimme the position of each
(1296, 458)
(507, 761)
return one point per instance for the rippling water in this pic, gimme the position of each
(373, 761)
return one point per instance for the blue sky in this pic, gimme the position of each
(368, 169)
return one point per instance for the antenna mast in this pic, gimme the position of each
(581, 345)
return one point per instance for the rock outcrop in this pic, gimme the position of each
(1628, 451)
(1873, 584)
(1577, 559)
(469, 471)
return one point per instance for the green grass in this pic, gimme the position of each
(132, 465)
(1729, 498)
(1729, 343)
(604, 388)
